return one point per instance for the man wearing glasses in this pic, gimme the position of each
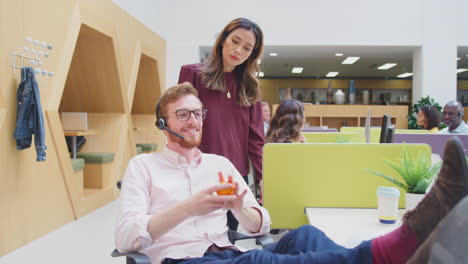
(169, 208)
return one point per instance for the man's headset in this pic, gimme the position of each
(161, 122)
(460, 115)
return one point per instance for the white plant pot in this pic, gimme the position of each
(412, 200)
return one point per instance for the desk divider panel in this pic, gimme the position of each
(375, 132)
(334, 137)
(296, 176)
(436, 141)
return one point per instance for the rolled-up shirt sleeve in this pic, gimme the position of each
(250, 201)
(131, 233)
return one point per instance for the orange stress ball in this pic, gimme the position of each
(228, 191)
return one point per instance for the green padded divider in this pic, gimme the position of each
(375, 132)
(147, 147)
(139, 150)
(296, 176)
(77, 164)
(96, 157)
(334, 137)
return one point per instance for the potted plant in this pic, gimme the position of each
(417, 175)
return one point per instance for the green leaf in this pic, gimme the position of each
(417, 173)
(390, 179)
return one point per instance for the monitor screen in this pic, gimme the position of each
(387, 130)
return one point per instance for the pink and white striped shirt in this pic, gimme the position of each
(157, 181)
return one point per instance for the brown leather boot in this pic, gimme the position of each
(449, 188)
(448, 243)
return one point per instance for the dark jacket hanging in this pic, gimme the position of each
(29, 118)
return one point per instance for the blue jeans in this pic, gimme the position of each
(306, 244)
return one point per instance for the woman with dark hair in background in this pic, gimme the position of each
(429, 118)
(287, 123)
(228, 87)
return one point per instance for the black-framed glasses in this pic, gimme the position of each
(184, 114)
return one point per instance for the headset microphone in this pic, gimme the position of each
(161, 122)
(170, 131)
(460, 115)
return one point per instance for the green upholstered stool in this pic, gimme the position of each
(96, 157)
(147, 147)
(98, 172)
(139, 150)
(77, 164)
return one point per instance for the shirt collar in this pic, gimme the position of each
(179, 160)
(460, 128)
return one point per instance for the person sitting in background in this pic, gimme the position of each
(429, 118)
(453, 113)
(266, 116)
(287, 123)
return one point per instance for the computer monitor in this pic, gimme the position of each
(387, 130)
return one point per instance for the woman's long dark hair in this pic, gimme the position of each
(212, 74)
(287, 122)
(433, 116)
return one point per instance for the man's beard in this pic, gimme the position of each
(187, 142)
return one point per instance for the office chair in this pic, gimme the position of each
(233, 236)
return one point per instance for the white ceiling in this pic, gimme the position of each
(319, 60)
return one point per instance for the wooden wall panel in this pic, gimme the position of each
(93, 83)
(146, 131)
(147, 90)
(38, 197)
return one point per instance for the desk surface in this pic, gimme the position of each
(79, 132)
(350, 226)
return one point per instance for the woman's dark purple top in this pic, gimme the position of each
(229, 129)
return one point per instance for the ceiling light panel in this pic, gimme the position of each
(332, 74)
(404, 75)
(273, 54)
(338, 54)
(297, 70)
(387, 66)
(350, 60)
(461, 70)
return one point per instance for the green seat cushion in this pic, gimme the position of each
(77, 164)
(96, 157)
(139, 150)
(147, 147)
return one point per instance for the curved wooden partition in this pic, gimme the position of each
(93, 86)
(101, 57)
(147, 93)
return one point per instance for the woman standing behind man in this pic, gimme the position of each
(228, 87)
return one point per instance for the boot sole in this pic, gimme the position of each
(462, 159)
(450, 245)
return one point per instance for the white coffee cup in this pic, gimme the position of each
(387, 204)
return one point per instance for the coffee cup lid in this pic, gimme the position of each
(388, 191)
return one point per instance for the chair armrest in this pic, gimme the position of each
(263, 240)
(132, 257)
